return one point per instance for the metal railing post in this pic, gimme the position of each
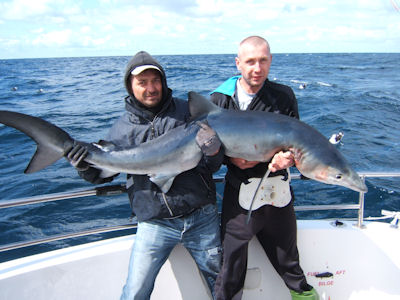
(361, 206)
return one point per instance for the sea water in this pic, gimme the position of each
(357, 94)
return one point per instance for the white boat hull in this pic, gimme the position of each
(364, 263)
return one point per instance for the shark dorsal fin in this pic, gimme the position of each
(200, 106)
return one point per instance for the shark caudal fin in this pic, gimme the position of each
(200, 106)
(51, 140)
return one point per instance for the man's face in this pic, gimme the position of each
(253, 62)
(147, 87)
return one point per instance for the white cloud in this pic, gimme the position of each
(37, 30)
(314, 34)
(9, 43)
(141, 29)
(180, 28)
(203, 36)
(21, 9)
(85, 29)
(189, 26)
(206, 9)
(53, 38)
(91, 42)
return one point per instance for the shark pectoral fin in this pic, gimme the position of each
(164, 182)
(43, 157)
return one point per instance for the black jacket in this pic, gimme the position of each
(272, 97)
(191, 189)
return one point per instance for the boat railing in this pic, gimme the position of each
(111, 190)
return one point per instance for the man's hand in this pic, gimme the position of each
(281, 160)
(242, 163)
(207, 139)
(76, 155)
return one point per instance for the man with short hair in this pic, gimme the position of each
(275, 227)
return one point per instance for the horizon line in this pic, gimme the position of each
(193, 54)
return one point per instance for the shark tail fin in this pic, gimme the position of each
(200, 106)
(52, 142)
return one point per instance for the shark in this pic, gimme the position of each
(252, 135)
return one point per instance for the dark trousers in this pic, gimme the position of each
(276, 230)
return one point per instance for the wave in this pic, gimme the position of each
(321, 83)
(85, 95)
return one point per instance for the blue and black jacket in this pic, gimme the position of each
(272, 97)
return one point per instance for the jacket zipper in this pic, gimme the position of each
(205, 183)
(153, 131)
(167, 205)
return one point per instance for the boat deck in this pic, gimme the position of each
(342, 259)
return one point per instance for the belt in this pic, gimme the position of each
(182, 215)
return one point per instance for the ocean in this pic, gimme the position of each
(357, 94)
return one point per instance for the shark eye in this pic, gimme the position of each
(339, 176)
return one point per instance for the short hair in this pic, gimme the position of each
(254, 40)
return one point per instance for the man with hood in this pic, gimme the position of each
(187, 213)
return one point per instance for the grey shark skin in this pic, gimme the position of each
(258, 135)
(251, 135)
(162, 158)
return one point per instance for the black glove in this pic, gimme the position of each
(76, 155)
(207, 139)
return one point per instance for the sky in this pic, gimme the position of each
(70, 28)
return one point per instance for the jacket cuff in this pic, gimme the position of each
(214, 162)
(93, 176)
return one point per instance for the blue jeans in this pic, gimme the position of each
(199, 232)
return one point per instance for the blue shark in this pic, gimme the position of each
(252, 135)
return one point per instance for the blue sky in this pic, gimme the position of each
(63, 28)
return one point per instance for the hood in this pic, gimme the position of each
(140, 59)
(228, 87)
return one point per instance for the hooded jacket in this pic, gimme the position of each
(191, 189)
(272, 97)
